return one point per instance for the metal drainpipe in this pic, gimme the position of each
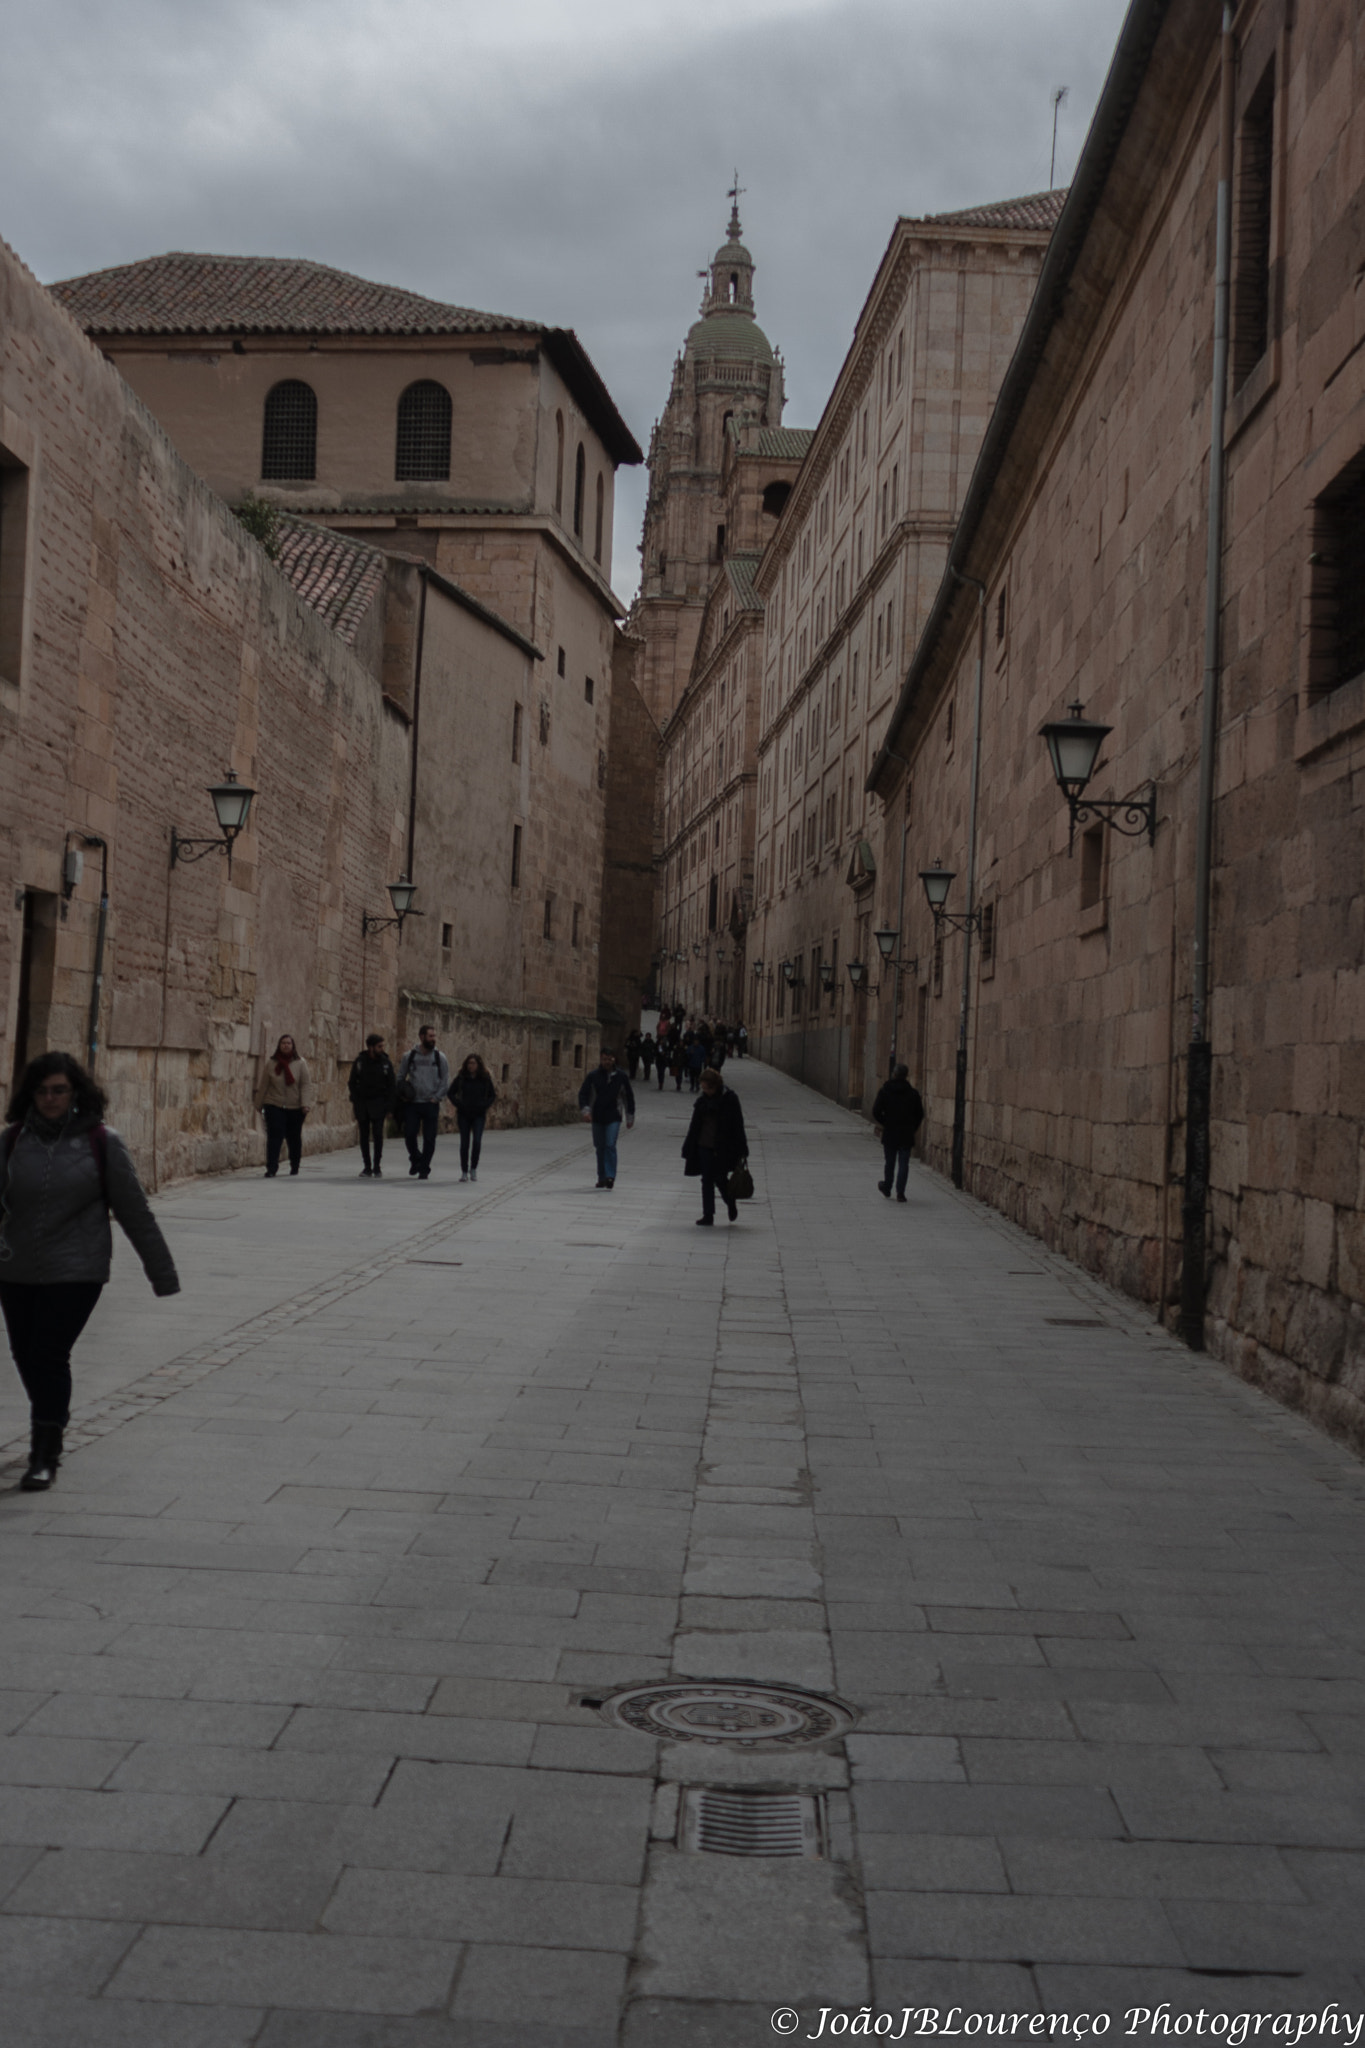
(960, 1075)
(416, 719)
(92, 1036)
(900, 918)
(1194, 1208)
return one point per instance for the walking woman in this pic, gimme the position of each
(715, 1143)
(284, 1095)
(61, 1173)
(473, 1095)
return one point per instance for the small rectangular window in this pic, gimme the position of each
(516, 856)
(562, 669)
(506, 1070)
(1092, 867)
(577, 923)
(578, 1055)
(987, 934)
(549, 925)
(516, 732)
(1336, 640)
(554, 1052)
(13, 561)
(447, 937)
(1251, 264)
(588, 688)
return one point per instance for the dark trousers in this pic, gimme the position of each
(282, 1127)
(43, 1324)
(471, 1139)
(897, 1157)
(371, 1133)
(423, 1117)
(712, 1174)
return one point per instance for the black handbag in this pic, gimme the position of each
(739, 1187)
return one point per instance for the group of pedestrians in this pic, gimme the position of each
(63, 1173)
(683, 1047)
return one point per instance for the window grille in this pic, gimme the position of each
(424, 416)
(289, 441)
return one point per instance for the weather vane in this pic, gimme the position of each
(736, 191)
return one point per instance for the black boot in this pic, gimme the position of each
(43, 1459)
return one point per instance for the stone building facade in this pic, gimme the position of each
(147, 646)
(1087, 524)
(706, 797)
(727, 373)
(478, 453)
(845, 586)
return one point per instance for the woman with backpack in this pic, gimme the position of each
(473, 1095)
(62, 1172)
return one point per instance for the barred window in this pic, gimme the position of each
(289, 441)
(424, 414)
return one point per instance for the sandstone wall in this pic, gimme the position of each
(156, 647)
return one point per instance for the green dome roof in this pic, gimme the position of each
(736, 335)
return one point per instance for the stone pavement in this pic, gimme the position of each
(295, 1750)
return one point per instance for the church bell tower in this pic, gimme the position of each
(727, 371)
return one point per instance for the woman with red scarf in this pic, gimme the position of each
(284, 1095)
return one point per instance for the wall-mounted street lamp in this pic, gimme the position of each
(857, 975)
(401, 894)
(827, 975)
(721, 956)
(791, 972)
(232, 807)
(1073, 746)
(758, 970)
(888, 938)
(937, 881)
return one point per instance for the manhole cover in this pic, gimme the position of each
(781, 1715)
(723, 1823)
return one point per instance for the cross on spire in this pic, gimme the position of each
(733, 195)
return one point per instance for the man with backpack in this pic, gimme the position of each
(423, 1080)
(899, 1111)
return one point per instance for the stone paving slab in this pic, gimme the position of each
(295, 1748)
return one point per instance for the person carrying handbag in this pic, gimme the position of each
(715, 1146)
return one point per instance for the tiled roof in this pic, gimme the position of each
(1037, 210)
(182, 293)
(786, 444)
(339, 578)
(740, 569)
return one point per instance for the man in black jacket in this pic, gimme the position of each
(900, 1112)
(373, 1089)
(604, 1098)
(715, 1144)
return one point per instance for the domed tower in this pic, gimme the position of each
(728, 370)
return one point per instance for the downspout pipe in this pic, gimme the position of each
(964, 1008)
(92, 1036)
(416, 719)
(1199, 1079)
(900, 917)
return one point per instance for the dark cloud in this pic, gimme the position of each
(564, 162)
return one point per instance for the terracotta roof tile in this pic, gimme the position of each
(182, 293)
(337, 577)
(1036, 210)
(788, 444)
(740, 569)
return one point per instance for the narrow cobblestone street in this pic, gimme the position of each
(296, 1652)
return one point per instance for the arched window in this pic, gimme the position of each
(601, 510)
(559, 462)
(734, 287)
(289, 442)
(775, 497)
(580, 482)
(423, 434)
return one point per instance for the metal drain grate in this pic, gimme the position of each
(727, 1711)
(720, 1823)
(1076, 1322)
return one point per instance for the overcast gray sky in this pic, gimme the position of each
(563, 161)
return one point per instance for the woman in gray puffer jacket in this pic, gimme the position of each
(61, 1173)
